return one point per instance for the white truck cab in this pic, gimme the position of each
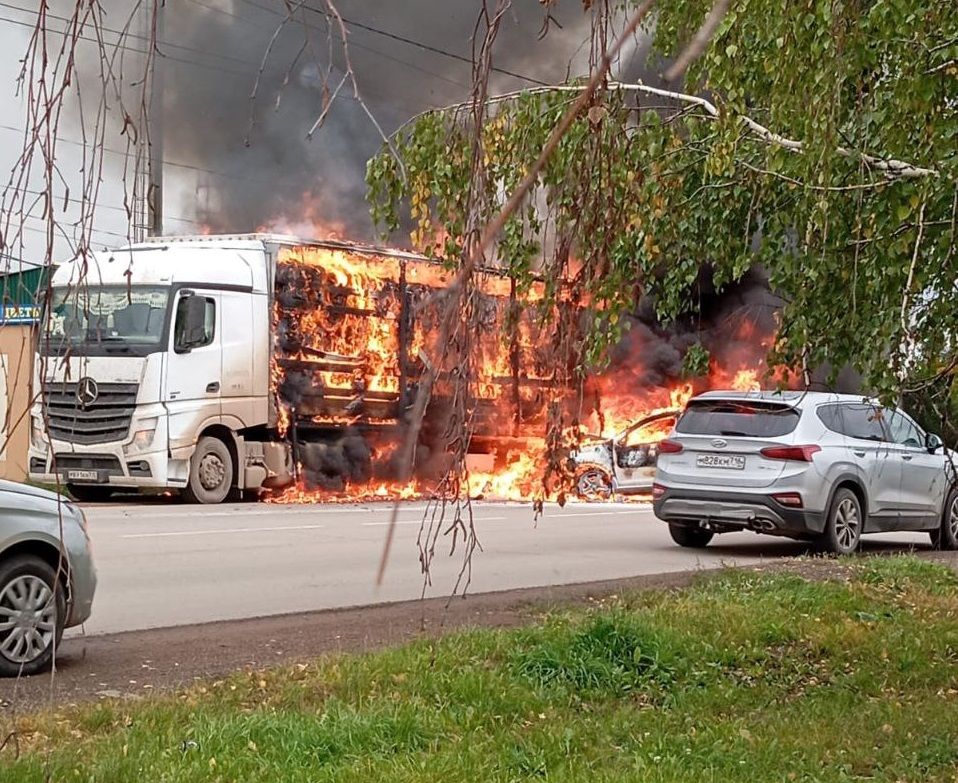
(153, 365)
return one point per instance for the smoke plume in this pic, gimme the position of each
(238, 164)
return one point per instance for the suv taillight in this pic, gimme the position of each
(670, 447)
(792, 453)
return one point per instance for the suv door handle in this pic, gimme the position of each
(858, 453)
(212, 387)
(906, 457)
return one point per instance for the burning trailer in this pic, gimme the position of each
(355, 328)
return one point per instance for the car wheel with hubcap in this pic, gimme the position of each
(593, 483)
(843, 525)
(211, 472)
(32, 615)
(692, 537)
(946, 536)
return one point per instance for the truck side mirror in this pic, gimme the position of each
(190, 328)
(933, 443)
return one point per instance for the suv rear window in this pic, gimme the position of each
(742, 418)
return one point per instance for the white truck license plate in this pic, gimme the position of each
(82, 475)
(728, 461)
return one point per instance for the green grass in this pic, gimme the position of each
(744, 677)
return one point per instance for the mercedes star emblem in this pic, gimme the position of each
(87, 392)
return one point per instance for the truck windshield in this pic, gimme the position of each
(105, 316)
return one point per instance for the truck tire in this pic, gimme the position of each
(89, 493)
(693, 537)
(211, 472)
(33, 612)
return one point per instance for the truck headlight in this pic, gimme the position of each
(143, 437)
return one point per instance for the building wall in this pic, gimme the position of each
(16, 379)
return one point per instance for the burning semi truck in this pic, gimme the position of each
(216, 365)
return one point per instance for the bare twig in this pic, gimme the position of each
(906, 295)
(329, 104)
(290, 11)
(357, 96)
(457, 325)
(820, 188)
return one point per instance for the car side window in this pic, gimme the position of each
(857, 420)
(830, 416)
(903, 431)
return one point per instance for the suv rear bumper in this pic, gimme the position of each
(727, 511)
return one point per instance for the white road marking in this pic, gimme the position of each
(273, 509)
(562, 514)
(420, 521)
(145, 513)
(172, 533)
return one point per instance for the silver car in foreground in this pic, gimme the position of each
(47, 579)
(808, 465)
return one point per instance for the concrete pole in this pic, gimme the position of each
(155, 125)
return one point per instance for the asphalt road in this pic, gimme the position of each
(168, 565)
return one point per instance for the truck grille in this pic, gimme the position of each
(106, 419)
(105, 462)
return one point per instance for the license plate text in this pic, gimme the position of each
(82, 475)
(727, 461)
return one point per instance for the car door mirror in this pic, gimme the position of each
(933, 443)
(190, 328)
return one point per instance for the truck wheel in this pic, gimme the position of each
(843, 526)
(946, 536)
(211, 472)
(692, 537)
(32, 615)
(87, 493)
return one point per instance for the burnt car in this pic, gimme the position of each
(624, 464)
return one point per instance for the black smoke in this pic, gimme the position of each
(234, 176)
(736, 323)
(333, 465)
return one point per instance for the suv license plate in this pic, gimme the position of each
(82, 475)
(720, 461)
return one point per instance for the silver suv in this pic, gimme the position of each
(47, 579)
(808, 465)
